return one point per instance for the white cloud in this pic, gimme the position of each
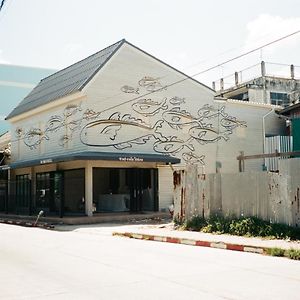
(3, 60)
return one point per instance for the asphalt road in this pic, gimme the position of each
(89, 263)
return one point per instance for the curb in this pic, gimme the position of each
(191, 242)
(27, 224)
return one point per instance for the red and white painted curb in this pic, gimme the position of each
(27, 224)
(192, 242)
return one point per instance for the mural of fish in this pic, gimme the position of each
(192, 158)
(206, 134)
(209, 112)
(114, 132)
(149, 107)
(54, 123)
(72, 109)
(34, 137)
(151, 84)
(231, 123)
(177, 118)
(129, 89)
(172, 146)
(90, 114)
(177, 100)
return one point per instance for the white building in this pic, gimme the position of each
(105, 134)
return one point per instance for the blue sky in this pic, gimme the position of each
(16, 83)
(190, 35)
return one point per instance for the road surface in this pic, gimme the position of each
(89, 263)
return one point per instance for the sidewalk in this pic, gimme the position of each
(165, 233)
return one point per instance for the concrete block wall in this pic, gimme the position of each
(269, 196)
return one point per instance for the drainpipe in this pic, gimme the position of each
(264, 132)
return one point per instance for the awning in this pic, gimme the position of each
(89, 155)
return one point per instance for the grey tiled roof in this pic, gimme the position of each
(66, 81)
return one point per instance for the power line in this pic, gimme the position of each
(1, 5)
(188, 77)
(208, 69)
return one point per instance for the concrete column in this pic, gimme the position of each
(292, 72)
(236, 78)
(89, 189)
(214, 85)
(222, 84)
(263, 68)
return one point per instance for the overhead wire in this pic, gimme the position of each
(186, 77)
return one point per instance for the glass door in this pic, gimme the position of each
(143, 190)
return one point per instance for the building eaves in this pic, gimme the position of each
(289, 109)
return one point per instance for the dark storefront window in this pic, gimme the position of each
(121, 190)
(74, 187)
(23, 193)
(60, 193)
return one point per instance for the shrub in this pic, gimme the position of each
(244, 226)
(275, 251)
(196, 223)
(293, 254)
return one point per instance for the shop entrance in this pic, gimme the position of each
(121, 190)
(49, 193)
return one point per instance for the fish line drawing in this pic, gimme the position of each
(207, 134)
(177, 118)
(177, 100)
(72, 109)
(113, 131)
(90, 114)
(149, 107)
(151, 84)
(130, 90)
(54, 123)
(192, 158)
(33, 137)
(231, 123)
(172, 145)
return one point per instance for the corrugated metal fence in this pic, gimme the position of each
(280, 144)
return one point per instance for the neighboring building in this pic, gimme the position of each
(15, 83)
(282, 89)
(4, 161)
(103, 134)
(292, 115)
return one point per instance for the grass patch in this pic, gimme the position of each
(293, 254)
(275, 252)
(290, 253)
(245, 226)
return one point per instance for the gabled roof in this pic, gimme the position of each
(65, 81)
(74, 78)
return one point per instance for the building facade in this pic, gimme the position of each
(105, 134)
(262, 84)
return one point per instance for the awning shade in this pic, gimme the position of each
(89, 155)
